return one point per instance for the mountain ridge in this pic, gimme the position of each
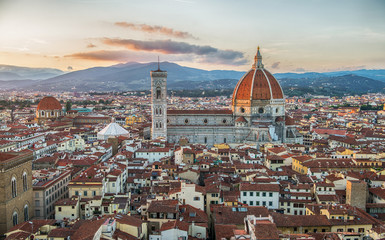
(11, 72)
(136, 76)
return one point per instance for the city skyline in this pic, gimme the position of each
(295, 36)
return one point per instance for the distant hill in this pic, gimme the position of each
(131, 76)
(373, 74)
(12, 84)
(136, 76)
(332, 86)
(213, 84)
(307, 75)
(8, 72)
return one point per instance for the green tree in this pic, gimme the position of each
(68, 106)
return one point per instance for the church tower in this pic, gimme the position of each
(159, 103)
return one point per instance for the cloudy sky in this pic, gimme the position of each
(294, 36)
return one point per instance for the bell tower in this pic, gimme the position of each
(159, 103)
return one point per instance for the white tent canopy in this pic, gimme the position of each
(112, 130)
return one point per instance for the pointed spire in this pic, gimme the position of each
(258, 60)
(158, 64)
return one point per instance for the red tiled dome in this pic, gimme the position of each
(49, 103)
(257, 84)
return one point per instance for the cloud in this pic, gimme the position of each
(91, 45)
(102, 55)
(155, 29)
(172, 47)
(144, 51)
(275, 65)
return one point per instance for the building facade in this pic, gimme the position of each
(49, 108)
(257, 114)
(266, 195)
(16, 200)
(159, 103)
(47, 190)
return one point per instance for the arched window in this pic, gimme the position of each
(156, 125)
(25, 183)
(224, 140)
(205, 139)
(52, 113)
(263, 137)
(160, 124)
(160, 111)
(13, 187)
(260, 110)
(158, 93)
(26, 213)
(156, 111)
(42, 113)
(15, 218)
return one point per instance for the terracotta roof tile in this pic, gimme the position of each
(49, 103)
(283, 220)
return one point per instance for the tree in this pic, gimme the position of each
(68, 106)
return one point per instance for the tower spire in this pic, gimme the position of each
(258, 60)
(158, 64)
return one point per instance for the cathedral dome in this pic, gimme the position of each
(49, 103)
(257, 84)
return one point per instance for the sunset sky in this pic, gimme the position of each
(294, 36)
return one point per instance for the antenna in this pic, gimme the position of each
(158, 63)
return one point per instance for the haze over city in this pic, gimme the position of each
(192, 120)
(295, 36)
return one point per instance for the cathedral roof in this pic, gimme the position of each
(49, 103)
(241, 119)
(257, 84)
(289, 121)
(199, 112)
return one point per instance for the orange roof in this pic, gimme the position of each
(257, 84)
(49, 103)
(241, 119)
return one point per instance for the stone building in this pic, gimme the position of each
(16, 196)
(47, 189)
(257, 114)
(49, 108)
(356, 193)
